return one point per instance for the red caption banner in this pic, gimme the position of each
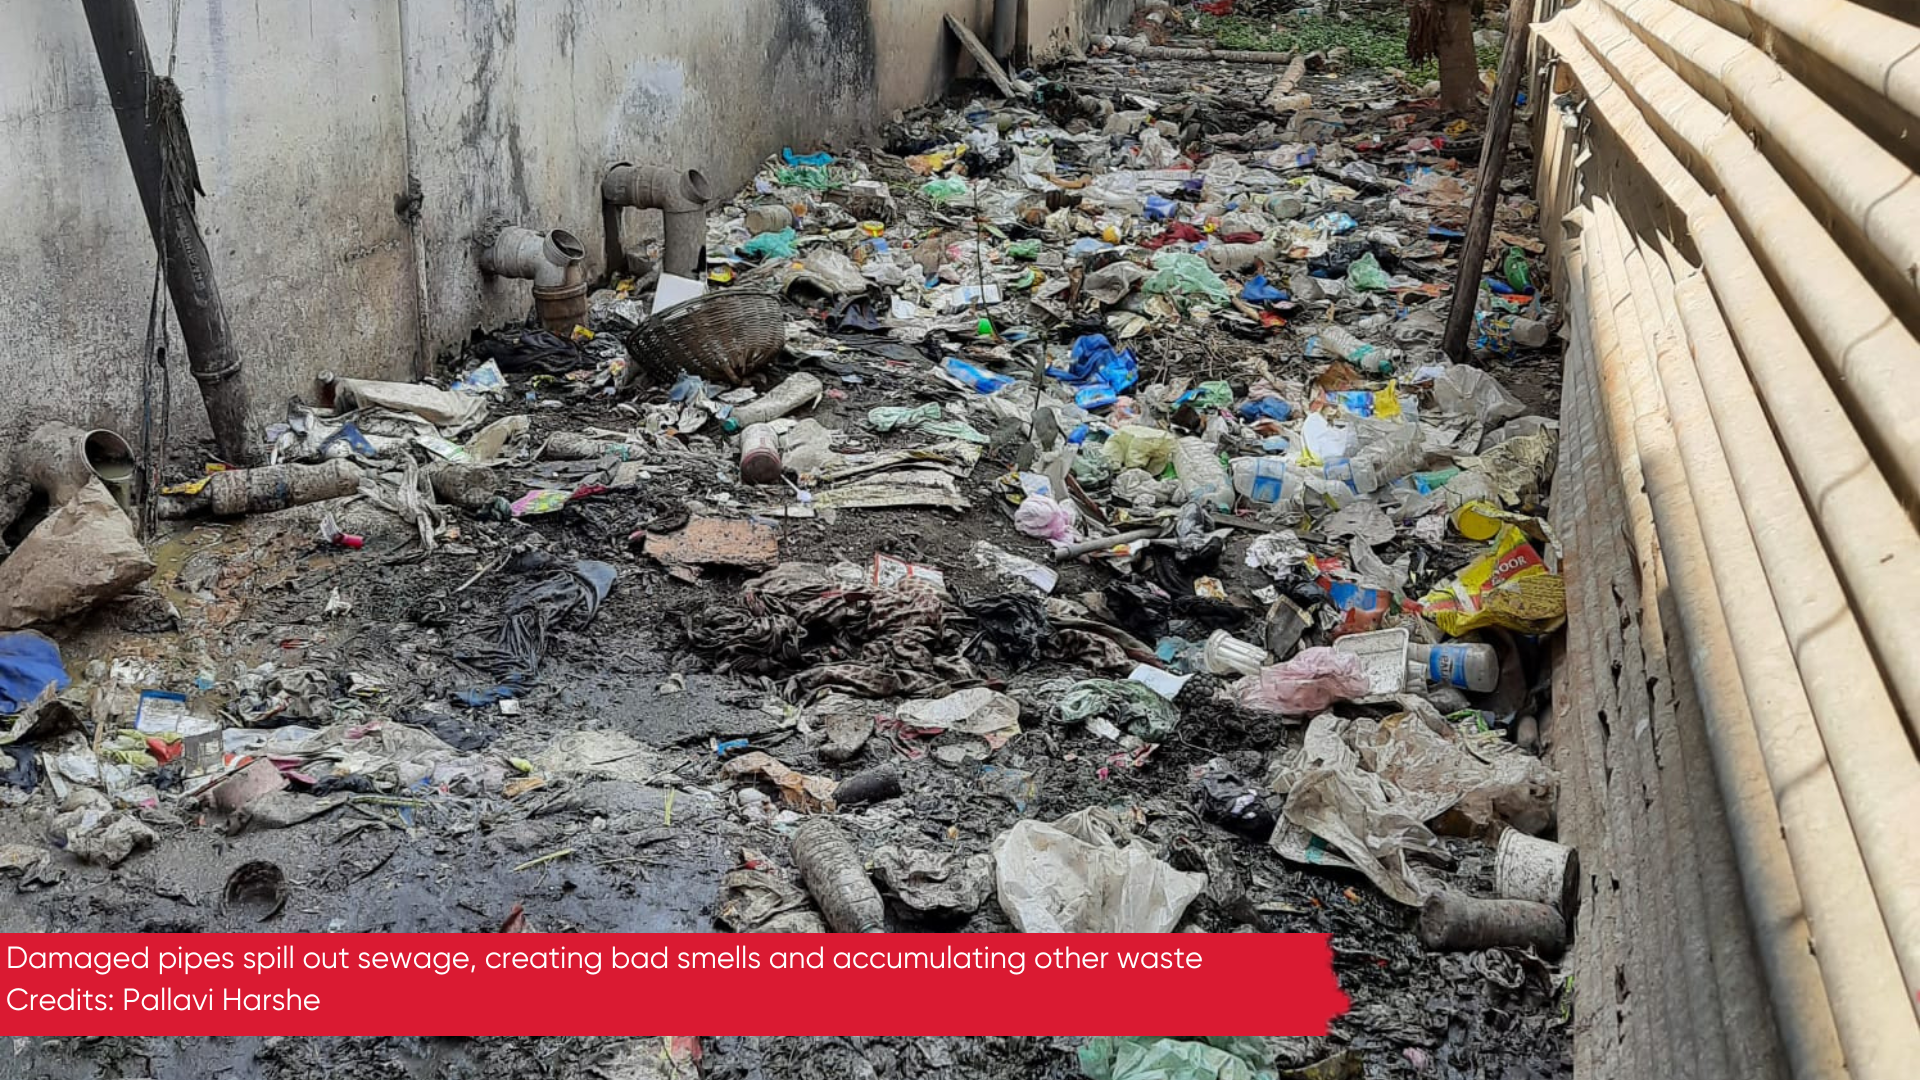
(616, 984)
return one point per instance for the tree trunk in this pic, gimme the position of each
(1459, 66)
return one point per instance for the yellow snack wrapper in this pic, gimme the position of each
(1510, 586)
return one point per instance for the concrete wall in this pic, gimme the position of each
(309, 116)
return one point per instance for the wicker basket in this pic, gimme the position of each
(722, 336)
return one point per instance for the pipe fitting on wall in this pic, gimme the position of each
(554, 261)
(681, 196)
(550, 259)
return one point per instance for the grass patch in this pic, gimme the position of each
(1373, 39)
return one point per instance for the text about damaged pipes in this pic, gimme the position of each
(601, 984)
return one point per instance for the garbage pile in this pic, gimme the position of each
(1101, 542)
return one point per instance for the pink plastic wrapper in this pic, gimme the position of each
(1044, 519)
(1308, 683)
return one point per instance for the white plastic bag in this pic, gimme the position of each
(1074, 877)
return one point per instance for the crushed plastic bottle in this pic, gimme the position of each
(1339, 342)
(1202, 478)
(975, 376)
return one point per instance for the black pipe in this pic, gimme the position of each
(154, 131)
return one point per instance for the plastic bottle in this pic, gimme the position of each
(1201, 475)
(1270, 480)
(1531, 333)
(1461, 665)
(837, 879)
(760, 455)
(976, 376)
(1370, 359)
(796, 391)
(769, 219)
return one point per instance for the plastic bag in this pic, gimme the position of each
(1514, 269)
(1461, 390)
(1173, 1057)
(1137, 446)
(1074, 877)
(1183, 274)
(1100, 372)
(772, 245)
(1366, 275)
(1258, 291)
(1308, 683)
(1042, 518)
(1131, 705)
(83, 553)
(945, 190)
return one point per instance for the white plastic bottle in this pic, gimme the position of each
(1273, 481)
(1201, 475)
(1462, 665)
(1340, 342)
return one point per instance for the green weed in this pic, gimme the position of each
(1374, 40)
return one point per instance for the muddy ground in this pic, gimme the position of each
(257, 591)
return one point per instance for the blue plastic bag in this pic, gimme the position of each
(29, 663)
(1258, 291)
(1160, 208)
(1098, 366)
(1266, 408)
(820, 160)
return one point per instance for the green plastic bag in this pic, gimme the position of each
(1515, 269)
(1211, 395)
(945, 190)
(813, 178)
(772, 245)
(888, 417)
(1024, 250)
(1134, 707)
(1186, 275)
(1366, 275)
(1168, 1057)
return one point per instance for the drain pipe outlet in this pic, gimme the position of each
(552, 261)
(547, 259)
(681, 196)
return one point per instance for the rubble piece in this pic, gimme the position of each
(837, 879)
(1454, 922)
(717, 542)
(251, 781)
(82, 554)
